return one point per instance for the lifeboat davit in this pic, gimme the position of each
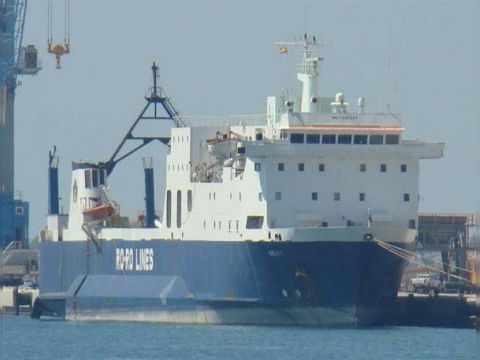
(101, 211)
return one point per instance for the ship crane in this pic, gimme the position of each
(14, 60)
(59, 49)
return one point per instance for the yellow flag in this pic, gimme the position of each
(283, 50)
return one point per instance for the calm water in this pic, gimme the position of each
(23, 338)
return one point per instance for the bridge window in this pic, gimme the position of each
(102, 177)
(313, 138)
(297, 138)
(88, 179)
(281, 166)
(321, 167)
(190, 200)
(301, 167)
(328, 139)
(376, 139)
(392, 139)
(278, 195)
(336, 196)
(403, 168)
(179, 209)
(344, 139)
(254, 222)
(314, 196)
(363, 167)
(406, 197)
(361, 196)
(383, 167)
(169, 208)
(95, 177)
(360, 139)
(257, 166)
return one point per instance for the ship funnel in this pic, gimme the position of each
(149, 193)
(87, 194)
(53, 206)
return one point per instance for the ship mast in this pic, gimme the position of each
(308, 74)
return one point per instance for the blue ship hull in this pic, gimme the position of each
(220, 282)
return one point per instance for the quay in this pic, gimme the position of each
(443, 310)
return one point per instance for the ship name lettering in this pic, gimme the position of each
(144, 259)
(134, 259)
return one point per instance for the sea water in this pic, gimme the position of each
(24, 338)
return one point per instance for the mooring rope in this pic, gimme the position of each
(410, 257)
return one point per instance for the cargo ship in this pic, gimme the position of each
(274, 219)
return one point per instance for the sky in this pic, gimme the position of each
(421, 59)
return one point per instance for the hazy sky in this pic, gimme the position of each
(217, 57)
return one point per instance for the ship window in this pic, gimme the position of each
(403, 168)
(321, 167)
(189, 200)
(19, 210)
(314, 196)
(411, 224)
(260, 196)
(179, 209)
(213, 196)
(219, 225)
(361, 196)
(297, 138)
(102, 177)
(376, 139)
(324, 224)
(214, 224)
(95, 177)
(236, 224)
(204, 224)
(241, 150)
(169, 208)
(360, 139)
(278, 195)
(254, 222)
(88, 179)
(301, 167)
(281, 166)
(328, 139)
(257, 166)
(344, 139)
(313, 138)
(336, 196)
(406, 197)
(239, 196)
(363, 167)
(383, 167)
(392, 139)
(229, 225)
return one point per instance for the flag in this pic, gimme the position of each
(283, 50)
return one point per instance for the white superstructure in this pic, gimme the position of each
(311, 169)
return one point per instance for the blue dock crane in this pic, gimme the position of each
(14, 60)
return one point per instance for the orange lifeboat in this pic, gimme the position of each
(99, 212)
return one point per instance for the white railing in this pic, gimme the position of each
(226, 120)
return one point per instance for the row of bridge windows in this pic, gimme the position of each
(337, 196)
(345, 139)
(321, 167)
